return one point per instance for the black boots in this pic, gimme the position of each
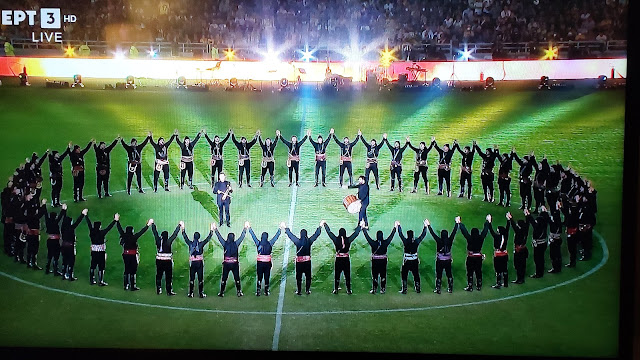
(258, 286)
(374, 286)
(201, 289)
(239, 289)
(190, 294)
(132, 281)
(498, 284)
(478, 284)
(505, 279)
(68, 274)
(469, 286)
(438, 286)
(266, 290)
(383, 285)
(126, 281)
(417, 286)
(92, 276)
(450, 288)
(336, 286)
(223, 284)
(404, 287)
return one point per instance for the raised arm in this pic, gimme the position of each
(120, 230)
(89, 224)
(195, 140)
(142, 231)
(275, 237)
(485, 230)
(252, 142)
(145, 142)
(211, 143)
(77, 222)
(108, 228)
(401, 234)
(186, 238)
(364, 142)
(241, 238)
(285, 142)
(390, 237)
(292, 237)
(208, 238)
(464, 231)
(453, 232)
(174, 235)
(112, 145)
(235, 141)
(154, 230)
(388, 144)
(368, 238)
(315, 235)
(220, 238)
(493, 233)
(413, 147)
(84, 151)
(433, 234)
(355, 234)
(422, 235)
(331, 235)
(225, 139)
(253, 236)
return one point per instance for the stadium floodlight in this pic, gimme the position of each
(307, 55)
(386, 56)
(550, 53)
(465, 54)
(230, 54)
(119, 54)
(69, 51)
(152, 53)
(271, 57)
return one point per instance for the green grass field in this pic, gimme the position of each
(573, 313)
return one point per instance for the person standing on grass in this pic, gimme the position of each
(410, 259)
(68, 248)
(539, 241)
(379, 248)
(33, 212)
(223, 191)
(555, 239)
(303, 256)
(217, 146)
(363, 196)
(244, 156)
(130, 254)
(264, 247)
(186, 158)
(466, 167)
(486, 174)
(293, 158)
(76, 156)
(422, 152)
(134, 163)
(52, 225)
(520, 252)
(320, 149)
(500, 254)
(98, 249)
(444, 244)
(342, 242)
(396, 161)
(268, 160)
(56, 174)
(230, 258)
(162, 160)
(196, 259)
(504, 178)
(164, 258)
(444, 165)
(103, 166)
(346, 151)
(526, 169)
(373, 150)
(475, 239)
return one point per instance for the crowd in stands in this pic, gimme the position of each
(333, 23)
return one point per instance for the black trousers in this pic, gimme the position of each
(504, 186)
(188, 170)
(321, 165)
(156, 175)
(78, 185)
(487, 184)
(373, 167)
(538, 196)
(103, 181)
(572, 247)
(379, 271)
(223, 209)
(164, 268)
(33, 245)
(525, 193)
(465, 179)
(410, 266)
(303, 268)
(269, 168)
(130, 264)
(342, 266)
(53, 253)
(68, 257)
(586, 240)
(138, 174)
(474, 267)
(196, 267)
(555, 253)
(234, 268)
(246, 169)
(216, 169)
(263, 269)
(362, 214)
(444, 176)
(500, 263)
(99, 260)
(520, 263)
(443, 265)
(8, 238)
(538, 258)
(422, 171)
(396, 173)
(552, 197)
(56, 189)
(295, 167)
(346, 165)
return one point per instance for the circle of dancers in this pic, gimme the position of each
(565, 204)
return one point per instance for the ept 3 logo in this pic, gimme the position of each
(50, 18)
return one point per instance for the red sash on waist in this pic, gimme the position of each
(130, 252)
(472, 254)
(53, 237)
(263, 258)
(230, 259)
(8, 220)
(342, 255)
(196, 258)
(500, 253)
(345, 158)
(520, 248)
(33, 232)
(446, 167)
(321, 157)
(572, 230)
(303, 258)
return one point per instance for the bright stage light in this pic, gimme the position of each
(550, 53)
(270, 57)
(465, 54)
(69, 51)
(307, 55)
(386, 56)
(230, 54)
(152, 53)
(119, 55)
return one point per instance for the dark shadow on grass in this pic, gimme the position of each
(207, 202)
